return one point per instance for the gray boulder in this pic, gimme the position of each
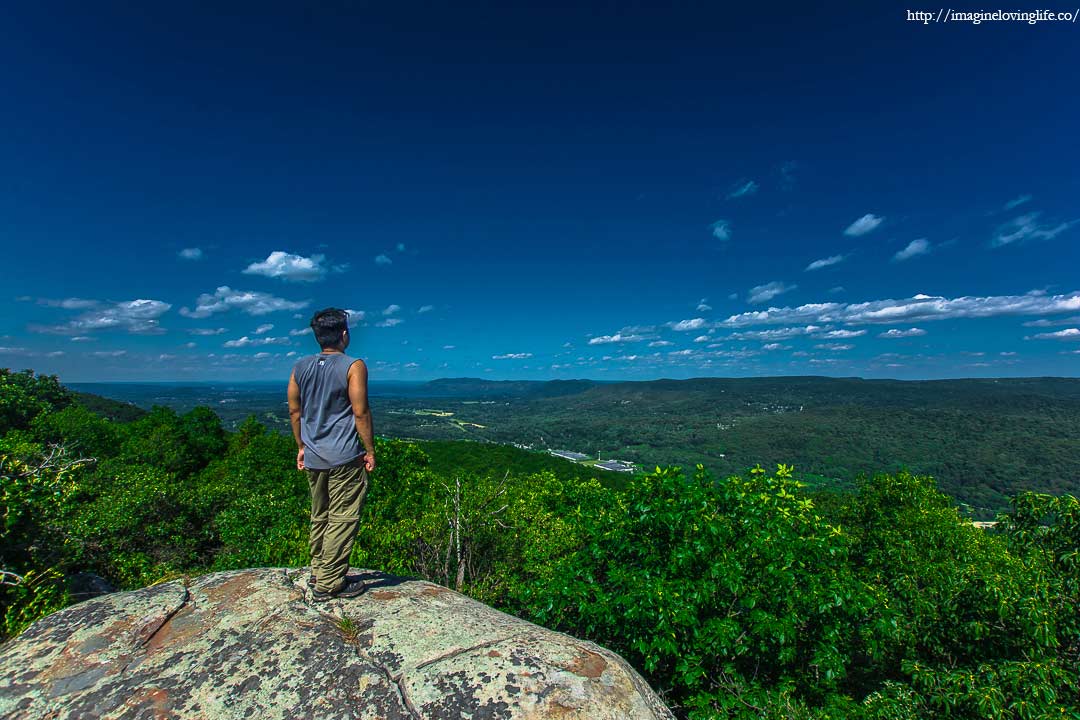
(252, 644)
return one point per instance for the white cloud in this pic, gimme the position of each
(742, 189)
(207, 331)
(401, 247)
(262, 355)
(836, 290)
(355, 316)
(291, 353)
(616, 338)
(108, 353)
(250, 342)
(1027, 227)
(391, 309)
(70, 303)
(703, 306)
(301, 331)
(250, 302)
(863, 225)
(1048, 322)
(389, 322)
(83, 338)
(775, 346)
(919, 307)
(777, 334)
(661, 343)
(721, 230)
(920, 246)
(191, 254)
(263, 329)
(826, 262)
(138, 317)
(448, 347)
(840, 334)
(1017, 202)
(190, 345)
(292, 268)
(12, 350)
(702, 338)
(382, 259)
(833, 346)
(512, 356)
(693, 324)
(1066, 334)
(425, 308)
(895, 333)
(764, 293)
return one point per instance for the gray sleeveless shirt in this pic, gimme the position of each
(327, 427)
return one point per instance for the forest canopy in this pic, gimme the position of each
(739, 596)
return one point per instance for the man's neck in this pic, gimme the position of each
(331, 351)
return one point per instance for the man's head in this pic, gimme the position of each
(331, 328)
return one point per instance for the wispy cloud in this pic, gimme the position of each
(703, 306)
(512, 356)
(826, 262)
(661, 343)
(840, 334)
(833, 346)
(1017, 202)
(108, 353)
(616, 338)
(896, 333)
(207, 331)
(920, 246)
(263, 329)
(1067, 334)
(252, 342)
(1053, 322)
(391, 309)
(389, 322)
(138, 317)
(289, 267)
(191, 254)
(764, 293)
(425, 308)
(919, 307)
(863, 225)
(247, 301)
(742, 188)
(1027, 227)
(301, 331)
(383, 259)
(684, 325)
(721, 230)
(787, 174)
(776, 334)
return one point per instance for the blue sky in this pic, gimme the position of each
(596, 190)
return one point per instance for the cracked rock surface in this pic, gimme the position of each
(252, 644)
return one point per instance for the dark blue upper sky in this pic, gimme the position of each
(594, 190)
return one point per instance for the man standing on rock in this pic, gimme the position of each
(330, 417)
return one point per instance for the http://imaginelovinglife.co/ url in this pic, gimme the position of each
(977, 17)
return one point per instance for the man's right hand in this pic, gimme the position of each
(369, 461)
(300, 459)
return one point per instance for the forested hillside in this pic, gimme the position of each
(738, 596)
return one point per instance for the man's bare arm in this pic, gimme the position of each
(358, 396)
(294, 420)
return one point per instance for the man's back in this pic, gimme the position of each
(327, 424)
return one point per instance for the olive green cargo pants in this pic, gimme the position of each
(337, 495)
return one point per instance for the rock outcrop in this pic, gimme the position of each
(252, 644)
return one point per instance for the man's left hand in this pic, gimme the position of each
(300, 459)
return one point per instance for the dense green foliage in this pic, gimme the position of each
(741, 596)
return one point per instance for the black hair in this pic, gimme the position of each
(328, 326)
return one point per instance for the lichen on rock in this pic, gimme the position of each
(252, 643)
